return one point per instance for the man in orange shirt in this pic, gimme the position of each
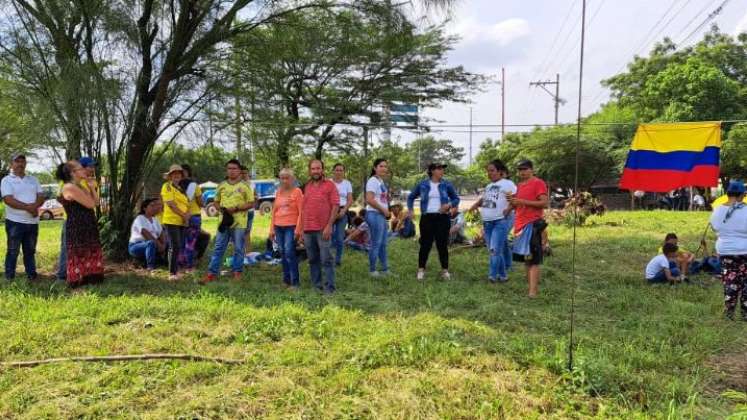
(320, 205)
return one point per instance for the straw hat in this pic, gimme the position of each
(172, 169)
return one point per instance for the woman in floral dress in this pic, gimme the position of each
(85, 259)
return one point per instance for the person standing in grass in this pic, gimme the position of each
(22, 195)
(497, 220)
(321, 202)
(286, 225)
(377, 213)
(345, 191)
(234, 198)
(89, 164)
(437, 198)
(247, 178)
(530, 201)
(195, 239)
(147, 238)
(176, 216)
(730, 223)
(85, 258)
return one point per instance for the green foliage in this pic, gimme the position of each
(602, 149)
(317, 69)
(207, 162)
(734, 152)
(576, 210)
(704, 82)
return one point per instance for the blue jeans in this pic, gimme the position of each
(338, 238)
(319, 252)
(144, 251)
(284, 235)
(21, 237)
(62, 261)
(221, 244)
(496, 238)
(661, 276)
(378, 228)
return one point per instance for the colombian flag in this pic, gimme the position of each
(664, 157)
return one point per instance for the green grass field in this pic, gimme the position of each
(389, 348)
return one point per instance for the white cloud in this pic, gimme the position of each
(502, 33)
(741, 25)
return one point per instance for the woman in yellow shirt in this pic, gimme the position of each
(175, 216)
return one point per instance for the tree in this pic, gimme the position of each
(700, 83)
(734, 154)
(317, 70)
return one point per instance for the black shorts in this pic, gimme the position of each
(536, 255)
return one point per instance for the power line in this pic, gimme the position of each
(546, 60)
(555, 41)
(645, 40)
(694, 18)
(709, 18)
(575, 186)
(465, 126)
(588, 26)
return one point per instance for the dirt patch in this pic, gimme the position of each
(731, 372)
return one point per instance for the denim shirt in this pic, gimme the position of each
(446, 191)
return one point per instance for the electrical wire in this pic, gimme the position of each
(645, 40)
(709, 18)
(575, 186)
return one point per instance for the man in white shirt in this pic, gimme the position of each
(22, 195)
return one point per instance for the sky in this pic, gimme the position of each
(533, 40)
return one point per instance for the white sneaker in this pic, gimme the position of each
(445, 275)
(421, 275)
(374, 274)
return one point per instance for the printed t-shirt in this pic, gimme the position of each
(234, 195)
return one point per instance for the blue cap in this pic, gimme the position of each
(87, 162)
(735, 187)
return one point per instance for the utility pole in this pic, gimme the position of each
(503, 103)
(470, 136)
(555, 96)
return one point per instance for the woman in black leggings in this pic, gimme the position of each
(437, 197)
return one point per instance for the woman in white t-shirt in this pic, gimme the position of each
(730, 223)
(377, 213)
(345, 190)
(147, 241)
(497, 219)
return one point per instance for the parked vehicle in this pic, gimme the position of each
(51, 209)
(264, 190)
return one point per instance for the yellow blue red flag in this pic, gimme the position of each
(667, 156)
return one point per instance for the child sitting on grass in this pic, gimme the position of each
(684, 257)
(359, 238)
(663, 267)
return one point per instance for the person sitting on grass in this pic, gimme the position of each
(147, 238)
(359, 238)
(353, 226)
(684, 257)
(401, 225)
(457, 234)
(663, 267)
